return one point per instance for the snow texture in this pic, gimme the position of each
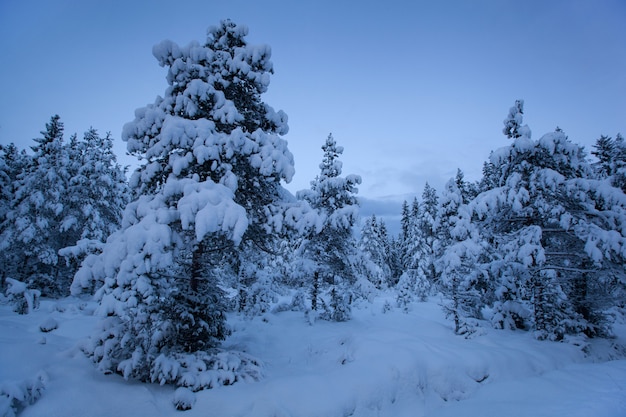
(387, 363)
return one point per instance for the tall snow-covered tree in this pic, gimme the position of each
(96, 196)
(13, 162)
(332, 247)
(426, 233)
(36, 224)
(559, 237)
(419, 276)
(460, 260)
(208, 190)
(374, 245)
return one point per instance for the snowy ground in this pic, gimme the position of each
(378, 364)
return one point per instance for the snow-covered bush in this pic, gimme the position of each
(15, 396)
(24, 299)
(205, 369)
(184, 399)
(48, 325)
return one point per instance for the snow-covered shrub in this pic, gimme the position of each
(14, 397)
(298, 303)
(363, 289)
(261, 293)
(201, 370)
(411, 286)
(405, 291)
(338, 308)
(48, 325)
(184, 399)
(25, 300)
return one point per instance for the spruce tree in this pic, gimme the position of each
(13, 163)
(207, 194)
(513, 128)
(96, 195)
(553, 230)
(37, 222)
(460, 263)
(332, 247)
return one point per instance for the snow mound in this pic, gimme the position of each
(184, 399)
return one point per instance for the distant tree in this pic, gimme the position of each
(489, 179)
(96, 195)
(611, 154)
(374, 246)
(407, 224)
(468, 191)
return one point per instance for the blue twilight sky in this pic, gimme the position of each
(413, 90)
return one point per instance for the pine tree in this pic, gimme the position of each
(332, 246)
(13, 163)
(37, 223)
(96, 195)
(513, 128)
(207, 196)
(611, 154)
(460, 261)
(546, 224)
(374, 247)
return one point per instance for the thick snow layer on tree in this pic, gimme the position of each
(383, 362)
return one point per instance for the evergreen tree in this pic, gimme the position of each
(489, 179)
(207, 196)
(332, 247)
(35, 226)
(13, 163)
(375, 247)
(460, 261)
(611, 154)
(96, 195)
(555, 249)
(513, 128)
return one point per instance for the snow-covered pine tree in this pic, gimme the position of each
(611, 154)
(96, 196)
(36, 223)
(426, 225)
(460, 261)
(374, 247)
(332, 247)
(13, 162)
(490, 177)
(209, 189)
(559, 236)
(403, 239)
(513, 128)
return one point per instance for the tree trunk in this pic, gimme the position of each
(196, 266)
